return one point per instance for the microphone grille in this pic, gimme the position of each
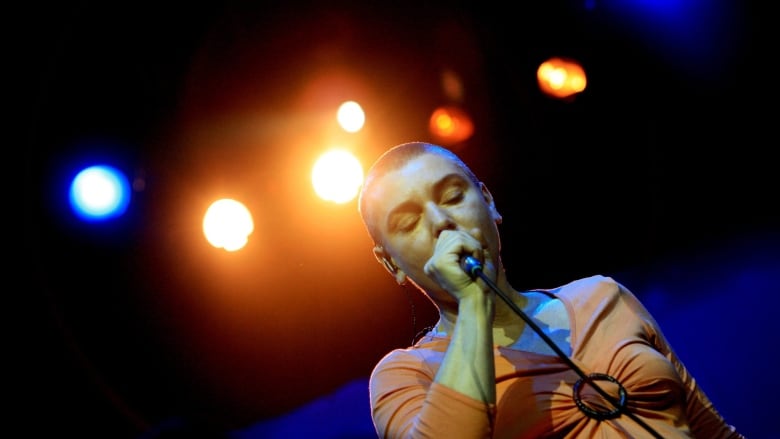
(471, 266)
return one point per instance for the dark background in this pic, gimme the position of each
(661, 174)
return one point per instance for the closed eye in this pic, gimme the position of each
(404, 221)
(407, 222)
(452, 195)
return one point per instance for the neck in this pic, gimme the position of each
(504, 314)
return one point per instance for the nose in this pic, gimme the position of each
(439, 219)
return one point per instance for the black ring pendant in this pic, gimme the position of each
(600, 414)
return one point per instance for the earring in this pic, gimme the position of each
(389, 266)
(400, 277)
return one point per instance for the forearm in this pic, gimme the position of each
(468, 366)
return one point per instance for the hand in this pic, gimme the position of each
(444, 265)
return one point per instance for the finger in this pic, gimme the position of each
(456, 243)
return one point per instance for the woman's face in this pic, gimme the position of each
(414, 203)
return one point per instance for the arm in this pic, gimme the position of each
(410, 398)
(704, 419)
(457, 398)
(468, 365)
(407, 403)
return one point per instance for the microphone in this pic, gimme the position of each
(471, 266)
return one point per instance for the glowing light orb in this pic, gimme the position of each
(351, 117)
(561, 78)
(228, 224)
(99, 192)
(337, 176)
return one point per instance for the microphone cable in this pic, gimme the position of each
(473, 268)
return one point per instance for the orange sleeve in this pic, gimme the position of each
(704, 419)
(406, 403)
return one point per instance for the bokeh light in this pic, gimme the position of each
(337, 176)
(450, 124)
(228, 224)
(351, 117)
(561, 78)
(99, 192)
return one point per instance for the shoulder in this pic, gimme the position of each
(602, 295)
(404, 368)
(589, 288)
(421, 356)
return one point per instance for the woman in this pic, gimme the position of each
(583, 360)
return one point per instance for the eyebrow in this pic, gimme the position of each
(437, 188)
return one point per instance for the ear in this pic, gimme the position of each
(387, 261)
(491, 203)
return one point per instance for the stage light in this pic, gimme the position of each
(351, 117)
(99, 192)
(561, 78)
(228, 224)
(450, 125)
(337, 176)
